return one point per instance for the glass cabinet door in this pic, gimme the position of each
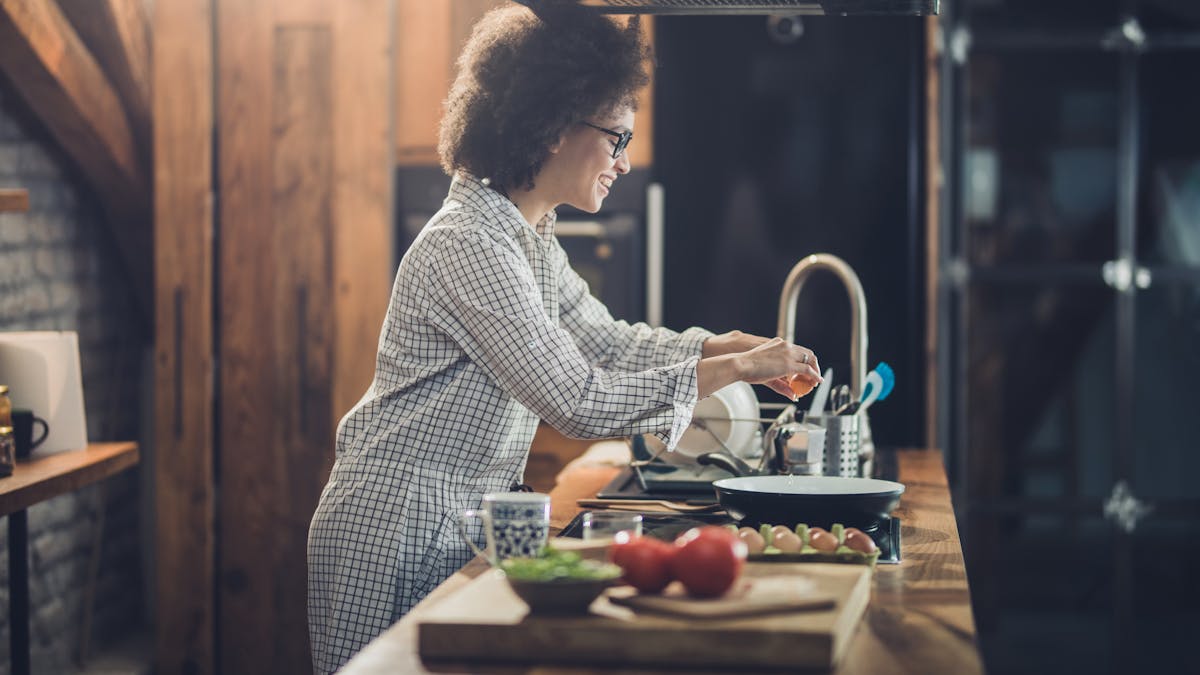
(1071, 259)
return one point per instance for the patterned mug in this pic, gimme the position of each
(515, 525)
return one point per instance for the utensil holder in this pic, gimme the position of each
(842, 443)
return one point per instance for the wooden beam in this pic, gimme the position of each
(54, 73)
(185, 491)
(14, 200)
(118, 34)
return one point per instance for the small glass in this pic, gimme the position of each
(598, 525)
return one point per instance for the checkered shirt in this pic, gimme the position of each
(488, 331)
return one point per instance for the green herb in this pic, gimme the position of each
(555, 565)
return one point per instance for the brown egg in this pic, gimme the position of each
(753, 540)
(822, 540)
(859, 541)
(787, 541)
(778, 530)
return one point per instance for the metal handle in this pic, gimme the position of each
(177, 423)
(302, 357)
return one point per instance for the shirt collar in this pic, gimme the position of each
(471, 191)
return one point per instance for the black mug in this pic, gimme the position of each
(23, 423)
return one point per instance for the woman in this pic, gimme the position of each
(490, 330)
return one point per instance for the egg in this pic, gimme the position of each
(822, 540)
(859, 541)
(778, 530)
(752, 539)
(787, 541)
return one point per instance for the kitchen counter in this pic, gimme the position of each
(919, 619)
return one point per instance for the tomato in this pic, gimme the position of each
(859, 541)
(708, 560)
(645, 562)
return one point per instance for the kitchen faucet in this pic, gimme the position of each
(858, 311)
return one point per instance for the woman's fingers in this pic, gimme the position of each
(780, 385)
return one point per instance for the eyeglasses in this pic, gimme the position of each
(622, 137)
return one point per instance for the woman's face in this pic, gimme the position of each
(583, 169)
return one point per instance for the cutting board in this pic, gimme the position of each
(750, 596)
(486, 621)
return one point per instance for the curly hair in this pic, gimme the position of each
(525, 77)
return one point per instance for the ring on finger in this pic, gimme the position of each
(804, 358)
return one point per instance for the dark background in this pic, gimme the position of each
(771, 151)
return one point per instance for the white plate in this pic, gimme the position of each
(728, 414)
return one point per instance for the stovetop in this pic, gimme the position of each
(687, 484)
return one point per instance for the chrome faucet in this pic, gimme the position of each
(858, 311)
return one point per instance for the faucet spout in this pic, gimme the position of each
(858, 310)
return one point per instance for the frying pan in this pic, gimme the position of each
(815, 500)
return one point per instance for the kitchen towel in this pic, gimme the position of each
(42, 372)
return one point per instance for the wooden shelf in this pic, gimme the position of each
(13, 200)
(39, 479)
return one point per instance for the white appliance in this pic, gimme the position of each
(42, 372)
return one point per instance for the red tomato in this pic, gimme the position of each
(708, 560)
(645, 562)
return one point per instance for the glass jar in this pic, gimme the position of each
(5, 407)
(8, 451)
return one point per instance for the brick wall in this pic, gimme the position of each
(59, 270)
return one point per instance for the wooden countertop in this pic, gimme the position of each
(38, 479)
(919, 619)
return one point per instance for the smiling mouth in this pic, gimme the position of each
(606, 182)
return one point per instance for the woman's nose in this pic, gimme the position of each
(623, 162)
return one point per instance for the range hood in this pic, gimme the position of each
(781, 7)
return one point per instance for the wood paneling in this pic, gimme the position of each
(362, 206)
(641, 148)
(424, 70)
(305, 259)
(183, 255)
(56, 75)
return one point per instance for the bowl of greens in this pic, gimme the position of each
(558, 582)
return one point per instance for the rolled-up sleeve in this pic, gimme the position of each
(486, 298)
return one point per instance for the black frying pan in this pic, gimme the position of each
(815, 500)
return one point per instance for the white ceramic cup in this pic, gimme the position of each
(515, 525)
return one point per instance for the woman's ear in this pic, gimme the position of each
(558, 144)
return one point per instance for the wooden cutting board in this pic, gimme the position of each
(486, 621)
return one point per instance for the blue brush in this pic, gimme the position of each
(889, 379)
(879, 383)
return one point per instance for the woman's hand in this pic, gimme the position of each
(733, 342)
(789, 369)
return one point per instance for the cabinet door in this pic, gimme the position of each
(303, 278)
(182, 460)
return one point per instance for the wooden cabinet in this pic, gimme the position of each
(270, 302)
(429, 37)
